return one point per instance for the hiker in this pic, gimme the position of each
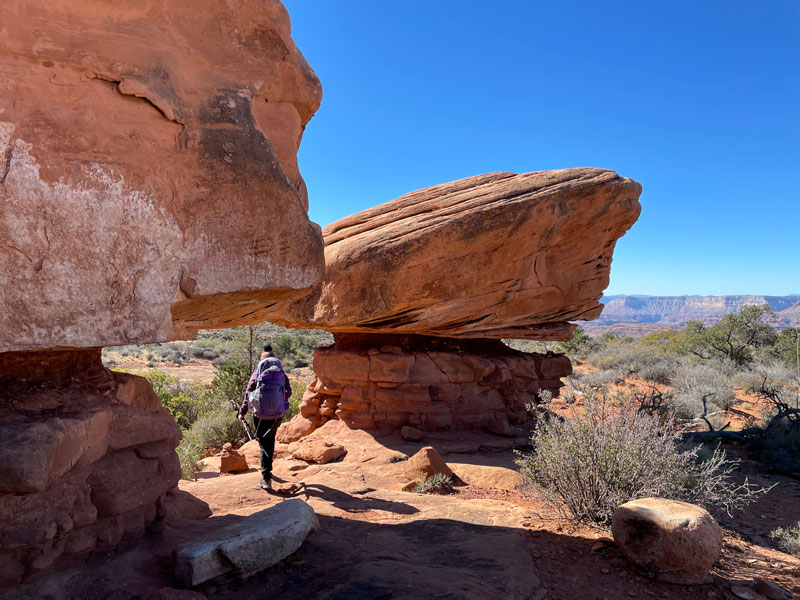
(267, 395)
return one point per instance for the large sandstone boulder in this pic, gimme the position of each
(493, 256)
(677, 541)
(248, 547)
(148, 173)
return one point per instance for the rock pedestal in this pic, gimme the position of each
(86, 460)
(385, 381)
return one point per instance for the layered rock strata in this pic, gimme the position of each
(87, 458)
(493, 256)
(148, 169)
(374, 381)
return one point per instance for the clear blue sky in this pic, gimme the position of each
(697, 101)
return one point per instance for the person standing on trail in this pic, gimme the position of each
(267, 396)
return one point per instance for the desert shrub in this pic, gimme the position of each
(296, 348)
(779, 388)
(694, 381)
(175, 356)
(590, 463)
(629, 357)
(213, 429)
(185, 401)
(598, 378)
(298, 389)
(230, 380)
(788, 539)
(439, 483)
(572, 391)
(579, 346)
(530, 346)
(781, 446)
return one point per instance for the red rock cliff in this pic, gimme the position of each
(148, 173)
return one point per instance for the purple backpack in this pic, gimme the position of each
(268, 400)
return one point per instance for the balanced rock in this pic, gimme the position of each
(426, 463)
(493, 256)
(677, 541)
(149, 169)
(253, 544)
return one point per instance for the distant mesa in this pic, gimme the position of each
(640, 315)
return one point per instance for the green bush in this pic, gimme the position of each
(212, 430)
(788, 539)
(439, 483)
(579, 346)
(230, 380)
(298, 389)
(185, 401)
(598, 378)
(594, 461)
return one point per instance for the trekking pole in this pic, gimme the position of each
(244, 423)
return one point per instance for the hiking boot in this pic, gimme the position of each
(265, 485)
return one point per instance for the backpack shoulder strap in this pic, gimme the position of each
(260, 367)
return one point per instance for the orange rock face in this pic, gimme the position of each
(148, 174)
(492, 256)
(148, 187)
(87, 460)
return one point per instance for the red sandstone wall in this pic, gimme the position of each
(86, 460)
(430, 388)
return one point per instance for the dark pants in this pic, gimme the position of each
(266, 429)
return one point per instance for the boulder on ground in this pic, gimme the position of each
(316, 450)
(426, 463)
(296, 428)
(412, 434)
(487, 476)
(676, 541)
(232, 461)
(248, 547)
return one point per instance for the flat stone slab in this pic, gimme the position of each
(251, 545)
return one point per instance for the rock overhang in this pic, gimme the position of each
(499, 255)
(148, 174)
